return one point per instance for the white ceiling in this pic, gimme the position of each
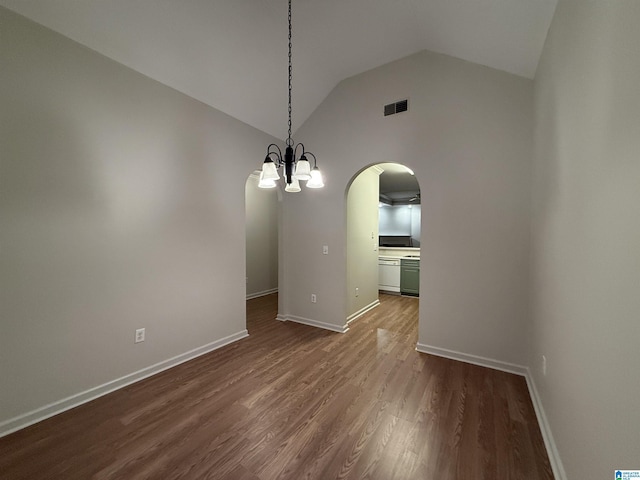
(232, 54)
(398, 184)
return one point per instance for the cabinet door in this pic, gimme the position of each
(410, 280)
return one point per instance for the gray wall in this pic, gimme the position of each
(416, 224)
(395, 220)
(262, 238)
(362, 240)
(468, 137)
(118, 197)
(586, 235)
(401, 220)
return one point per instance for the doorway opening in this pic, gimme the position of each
(261, 227)
(384, 217)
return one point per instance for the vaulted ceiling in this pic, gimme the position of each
(232, 54)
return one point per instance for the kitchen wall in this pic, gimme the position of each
(467, 137)
(401, 220)
(586, 235)
(262, 238)
(117, 197)
(416, 224)
(362, 241)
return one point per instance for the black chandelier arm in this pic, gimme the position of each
(278, 154)
(315, 160)
(295, 150)
(275, 158)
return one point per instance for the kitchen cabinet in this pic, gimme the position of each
(410, 276)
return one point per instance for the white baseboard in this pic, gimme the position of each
(473, 359)
(42, 413)
(362, 311)
(262, 293)
(549, 443)
(313, 323)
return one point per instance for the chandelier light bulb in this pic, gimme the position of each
(316, 179)
(294, 186)
(269, 170)
(266, 183)
(303, 169)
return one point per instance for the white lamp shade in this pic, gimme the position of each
(316, 179)
(294, 186)
(262, 183)
(303, 170)
(269, 170)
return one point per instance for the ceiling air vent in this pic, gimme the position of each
(397, 107)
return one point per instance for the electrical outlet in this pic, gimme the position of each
(544, 366)
(314, 299)
(139, 335)
(357, 291)
(325, 249)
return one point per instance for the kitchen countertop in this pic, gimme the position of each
(398, 252)
(408, 257)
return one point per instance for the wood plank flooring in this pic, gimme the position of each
(296, 402)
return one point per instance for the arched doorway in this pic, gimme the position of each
(383, 227)
(261, 227)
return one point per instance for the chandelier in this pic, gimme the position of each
(294, 170)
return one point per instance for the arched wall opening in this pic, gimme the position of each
(383, 226)
(262, 227)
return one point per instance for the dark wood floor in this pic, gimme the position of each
(296, 402)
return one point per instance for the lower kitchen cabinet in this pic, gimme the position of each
(410, 276)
